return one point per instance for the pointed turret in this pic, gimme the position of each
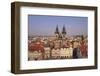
(64, 32)
(57, 30)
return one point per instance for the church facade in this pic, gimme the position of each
(60, 35)
(61, 49)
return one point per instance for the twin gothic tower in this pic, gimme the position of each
(60, 35)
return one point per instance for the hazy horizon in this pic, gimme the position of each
(46, 25)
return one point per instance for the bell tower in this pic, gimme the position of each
(64, 32)
(57, 32)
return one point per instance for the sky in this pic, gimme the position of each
(46, 25)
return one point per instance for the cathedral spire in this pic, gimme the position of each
(64, 30)
(57, 30)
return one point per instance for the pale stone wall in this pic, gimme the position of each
(55, 53)
(66, 52)
(47, 52)
(34, 55)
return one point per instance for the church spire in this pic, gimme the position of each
(57, 30)
(64, 30)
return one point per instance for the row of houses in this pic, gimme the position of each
(48, 53)
(58, 47)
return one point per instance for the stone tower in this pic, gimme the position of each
(57, 32)
(64, 32)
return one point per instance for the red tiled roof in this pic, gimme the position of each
(35, 47)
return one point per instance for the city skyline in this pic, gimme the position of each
(45, 25)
